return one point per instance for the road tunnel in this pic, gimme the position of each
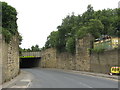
(30, 62)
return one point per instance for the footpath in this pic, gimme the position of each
(23, 80)
(114, 77)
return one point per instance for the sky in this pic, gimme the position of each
(38, 18)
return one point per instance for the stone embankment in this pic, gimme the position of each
(83, 60)
(9, 59)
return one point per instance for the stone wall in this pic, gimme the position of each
(80, 61)
(48, 59)
(52, 59)
(102, 62)
(65, 61)
(83, 60)
(9, 58)
(83, 53)
(1, 58)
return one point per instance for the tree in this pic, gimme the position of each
(70, 45)
(82, 32)
(97, 23)
(9, 21)
(117, 23)
(35, 48)
(108, 18)
(9, 18)
(95, 27)
(67, 29)
(89, 14)
(52, 40)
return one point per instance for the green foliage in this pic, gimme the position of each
(89, 14)
(20, 39)
(95, 27)
(96, 23)
(0, 17)
(20, 51)
(35, 48)
(109, 18)
(82, 32)
(70, 45)
(32, 49)
(8, 22)
(0, 30)
(9, 18)
(7, 35)
(67, 29)
(52, 40)
(117, 23)
(97, 50)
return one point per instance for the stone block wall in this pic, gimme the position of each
(52, 59)
(102, 62)
(48, 58)
(65, 61)
(9, 58)
(83, 60)
(1, 58)
(80, 61)
(83, 53)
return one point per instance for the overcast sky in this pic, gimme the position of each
(37, 18)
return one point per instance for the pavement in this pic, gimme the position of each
(0, 73)
(40, 78)
(23, 80)
(107, 76)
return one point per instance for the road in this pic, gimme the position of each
(51, 78)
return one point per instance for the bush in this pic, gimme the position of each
(9, 21)
(97, 50)
(70, 45)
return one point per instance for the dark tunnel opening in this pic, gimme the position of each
(29, 62)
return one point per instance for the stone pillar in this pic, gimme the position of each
(82, 52)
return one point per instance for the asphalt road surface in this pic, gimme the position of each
(50, 78)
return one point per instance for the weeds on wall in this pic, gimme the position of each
(97, 50)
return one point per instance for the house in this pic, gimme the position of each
(115, 42)
(106, 42)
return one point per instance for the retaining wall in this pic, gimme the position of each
(102, 62)
(9, 58)
(83, 59)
